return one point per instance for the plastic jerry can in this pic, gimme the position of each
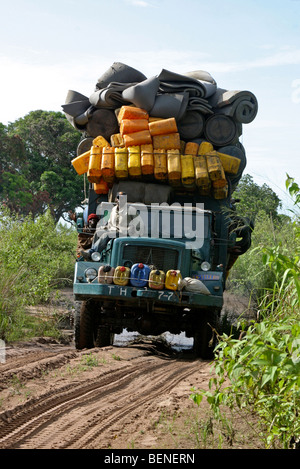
(116, 140)
(137, 138)
(167, 142)
(187, 171)
(106, 274)
(147, 163)
(163, 127)
(132, 112)
(160, 165)
(101, 187)
(220, 192)
(95, 162)
(214, 166)
(230, 163)
(100, 142)
(139, 275)
(108, 164)
(172, 279)
(205, 147)
(134, 161)
(201, 174)
(191, 148)
(157, 279)
(81, 162)
(121, 275)
(174, 167)
(129, 126)
(121, 163)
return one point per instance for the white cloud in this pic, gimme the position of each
(139, 3)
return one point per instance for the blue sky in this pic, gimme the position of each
(47, 48)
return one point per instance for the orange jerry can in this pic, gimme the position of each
(108, 164)
(174, 167)
(137, 138)
(101, 187)
(94, 171)
(129, 126)
(106, 274)
(160, 165)
(167, 142)
(172, 279)
(147, 160)
(157, 279)
(121, 275)
(163, 126)
(191, 148)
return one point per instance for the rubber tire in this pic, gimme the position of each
(104, 337)
(205, 337)
(84, 325)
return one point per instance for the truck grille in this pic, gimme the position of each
(162, 259)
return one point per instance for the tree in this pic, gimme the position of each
(36, 173)
(254, 198)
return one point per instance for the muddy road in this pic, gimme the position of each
(132, 395)
(53, 396)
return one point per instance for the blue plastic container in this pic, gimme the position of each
(139, 275)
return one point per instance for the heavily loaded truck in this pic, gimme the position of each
(167, 232)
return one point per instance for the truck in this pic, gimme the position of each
(175, 233)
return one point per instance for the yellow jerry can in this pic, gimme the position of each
(230, 163)
(134, 161)
(172, 279)
(81, 162)
(121, 275)
(121, 163)
(174, 167)
(157, 279)
(214, 166)
(187, 171)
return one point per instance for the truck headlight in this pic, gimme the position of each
(96, 256)
(90, 274)
(205, 266)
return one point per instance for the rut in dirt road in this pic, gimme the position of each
(84, 414)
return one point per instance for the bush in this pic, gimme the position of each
(36, 257)
(260, 372)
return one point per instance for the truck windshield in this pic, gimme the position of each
(183, 223)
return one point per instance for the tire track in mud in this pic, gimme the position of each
(82, 415)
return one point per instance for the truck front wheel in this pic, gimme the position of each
(205, 335)
(84, 325)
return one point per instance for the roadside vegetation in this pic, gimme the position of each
(258, 373)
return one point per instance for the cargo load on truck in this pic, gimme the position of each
(164, 154)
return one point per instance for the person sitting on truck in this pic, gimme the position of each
(85, 237)
(111, 230)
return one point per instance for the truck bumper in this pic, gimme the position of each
(84, 291)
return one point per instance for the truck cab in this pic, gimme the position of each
(184, 242)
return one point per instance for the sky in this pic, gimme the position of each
(50, 47)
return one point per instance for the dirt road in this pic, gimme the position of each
(132, 396)
(53, 396)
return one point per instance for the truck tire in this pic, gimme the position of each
(205, 336)
(104, 337)
(84, 325)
